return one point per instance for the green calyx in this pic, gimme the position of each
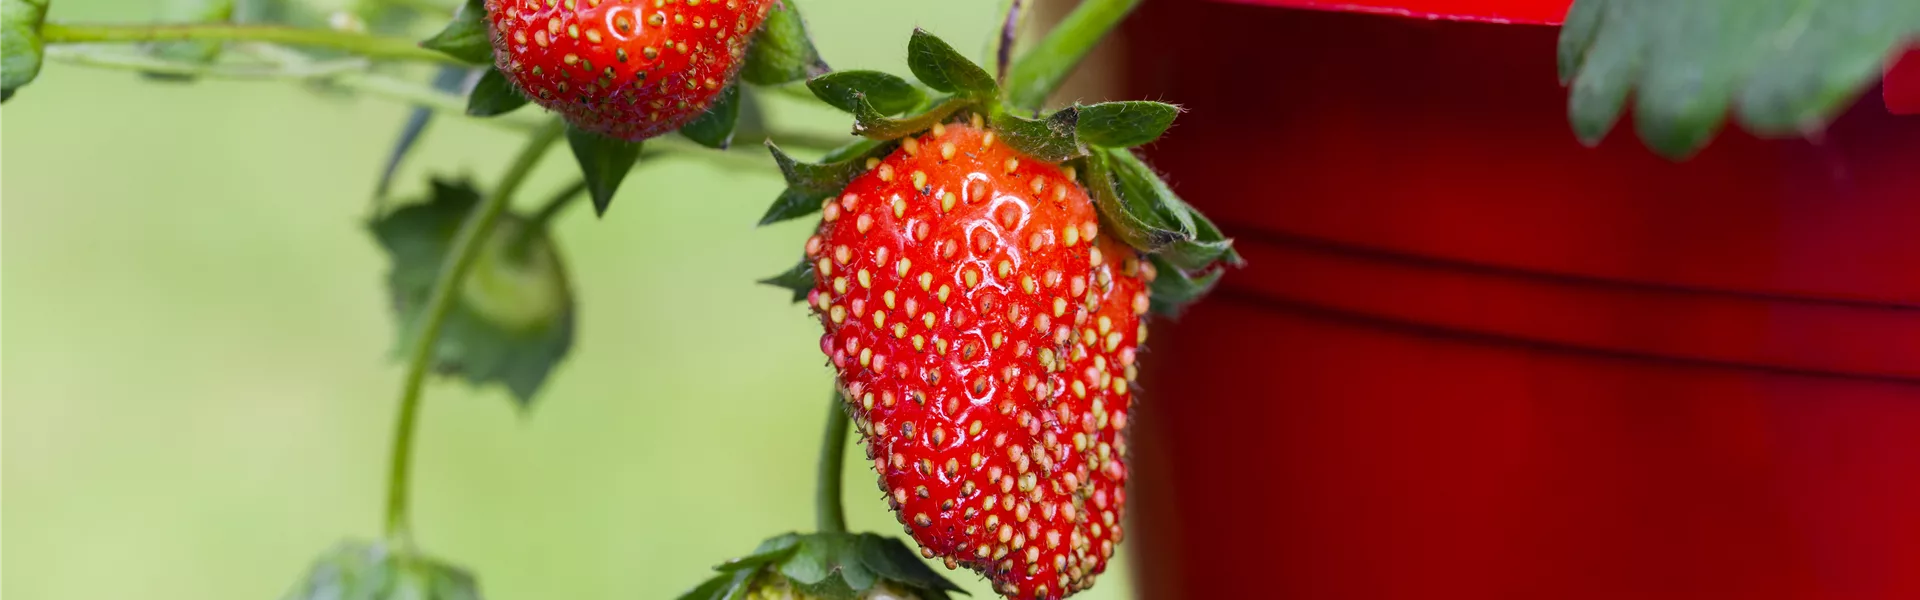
(373, 571)
(1136, 205)
(825, 566)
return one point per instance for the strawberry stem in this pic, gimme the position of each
(1042, 69)
(459, 260)
(830, 515)
(369, 46)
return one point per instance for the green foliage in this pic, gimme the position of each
(810, 183)
(1173, 288)
(714, 128)
(884, 93)
(20, 48)
(869, 123)
(1125, 124)
(604, 162)
(493, 95)
(781, 52)
(1200, 243)
(1131, 217)
(465, 37)
(512, 320)
(826, 566)
(798, 280)
(364, 571)
(1782, 67)
(1051, 139)
(942, 68)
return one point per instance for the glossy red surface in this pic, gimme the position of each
(1473, 359)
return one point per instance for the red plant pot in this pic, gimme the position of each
(1471, 358)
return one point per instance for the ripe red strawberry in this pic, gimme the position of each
(628, 69)
(963, 296)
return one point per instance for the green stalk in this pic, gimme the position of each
(370, 46)
(1042, 69)
(830, 515)
(460, 258)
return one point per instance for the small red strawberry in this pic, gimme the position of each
(964, 297)
(627, 69)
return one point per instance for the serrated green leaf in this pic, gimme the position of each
(1783, 67)
(493, 95)
(868, 122)
(604, 162)
(1133, 218)
(465, 37)
(942, 68)
(809, 183)
(798, 279)
(714, 128)
(366, 571)
(891, 560)
(1173, 289)
(513, 318)
(21, 50)
(1052, 139)
(1125, 124)
(781, 52)
(886, 93)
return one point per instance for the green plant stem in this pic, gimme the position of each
(369, 46)
(1043, 68)
(1002, 54)
(460, 258)
(830, 515)
(536, 224)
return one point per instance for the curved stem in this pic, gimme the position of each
(537, 223)
(829, 515)
(460, 258)
(369, 46)
(1042, 69)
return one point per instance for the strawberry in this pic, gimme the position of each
(983, 337)
(627, 69)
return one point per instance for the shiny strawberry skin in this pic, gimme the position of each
(627, 69)
(956, 282)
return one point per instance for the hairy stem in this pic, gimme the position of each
(1044, 67)
(420, 357)
(829, 515)
(369, 46)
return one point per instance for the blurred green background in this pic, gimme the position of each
(197, 392)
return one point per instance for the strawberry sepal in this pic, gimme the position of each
(781, 52)
(810, 183)
(826, 566)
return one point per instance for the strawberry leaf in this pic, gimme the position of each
(1172, 288)
(1125, 124)
(798, 280)
(942, 68)
(364, 571)
(21, 50)
(604, 162)
(780, 51)
(493, 95)
(465, 37)
(1051, 139)
(714, 128)
(1132, 218)
(868, 122)
(1201, 244)
(810, 183)
(513, 319)
(891, 560)
(886, 93)
(1782, 67)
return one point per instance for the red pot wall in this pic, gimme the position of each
(1473, 359)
